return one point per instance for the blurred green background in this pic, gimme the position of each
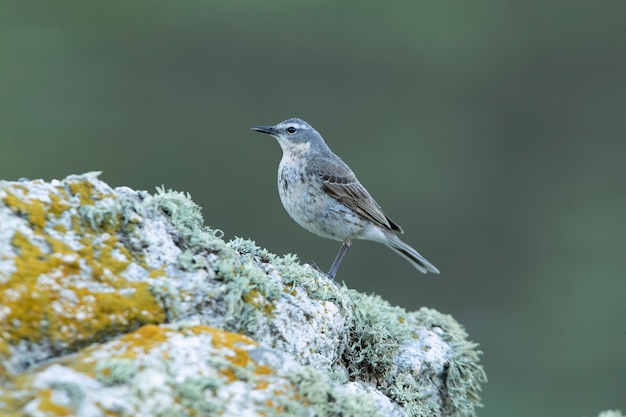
(493, 131)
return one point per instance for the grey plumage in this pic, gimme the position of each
(322, 194)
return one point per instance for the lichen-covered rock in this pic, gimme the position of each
(115, 302)
(192, 370)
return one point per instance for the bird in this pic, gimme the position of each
(322, 194)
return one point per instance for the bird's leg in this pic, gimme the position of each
(342, 252)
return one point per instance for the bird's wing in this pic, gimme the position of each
(341, 183)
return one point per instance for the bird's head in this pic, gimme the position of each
(293, 135)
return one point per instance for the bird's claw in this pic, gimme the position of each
(313, 265)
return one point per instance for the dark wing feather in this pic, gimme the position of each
(341, 183)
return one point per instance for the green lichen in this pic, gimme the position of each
(328, 401)
(186, 217)
(249, 247)
(193, 395)
(248, 293)
(404, 390)
(115, 371)
(465, 375)
(375, 335)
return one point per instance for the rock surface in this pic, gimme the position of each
(115, 302)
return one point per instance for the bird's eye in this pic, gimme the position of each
(291, 129)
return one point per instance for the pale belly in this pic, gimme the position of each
(312, 208)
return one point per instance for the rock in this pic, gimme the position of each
(119, 302)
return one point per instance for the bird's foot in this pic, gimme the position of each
(313, 265)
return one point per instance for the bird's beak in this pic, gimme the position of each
(264, 129)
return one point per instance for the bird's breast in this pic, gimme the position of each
(305, 199)
(293, 184)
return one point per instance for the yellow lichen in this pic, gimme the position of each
(59, 228)
(240, 358)
(279, 408)
(33, 209)
(49, 407)
(291, 291)
(84, 191)
(104, 253)
(155, 273)
(21, 187)
(36, 308)
(145, 338)
(58, 206)
(257, 299)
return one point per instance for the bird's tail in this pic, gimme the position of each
(410, 254)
